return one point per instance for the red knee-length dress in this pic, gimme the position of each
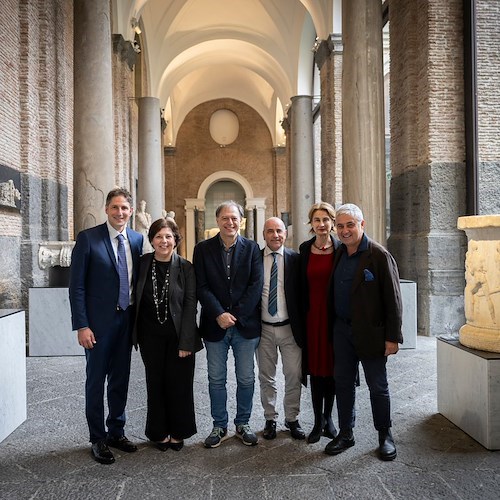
(319, 342)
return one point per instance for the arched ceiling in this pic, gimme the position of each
(255, 51)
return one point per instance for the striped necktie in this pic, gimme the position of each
(272, 305)
(123, 295)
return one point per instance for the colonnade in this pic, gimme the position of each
(354, 154)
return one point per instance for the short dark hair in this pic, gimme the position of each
(230, 203)
(159, 224)
(119, 192)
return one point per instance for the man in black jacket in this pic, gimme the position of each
(367, 327)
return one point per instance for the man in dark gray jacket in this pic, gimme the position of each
(367, 327)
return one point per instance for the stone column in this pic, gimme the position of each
(329, 61)
(363, 112)
(93, 112)
(482, 289)
(150, 178)
(191, 205)
(250, 223)
(302, 165)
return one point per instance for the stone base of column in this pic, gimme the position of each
(483, 339)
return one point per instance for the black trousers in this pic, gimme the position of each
(169, 381)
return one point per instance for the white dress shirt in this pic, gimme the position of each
(282, 314)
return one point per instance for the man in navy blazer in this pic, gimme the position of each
(281, 329)
(229, 285)
(103, 272)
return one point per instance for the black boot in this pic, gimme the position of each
(317, 402)
(329, 429)
(387, 448)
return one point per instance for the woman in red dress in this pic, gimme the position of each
(316, 258)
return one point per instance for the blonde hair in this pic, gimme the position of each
(322, 205)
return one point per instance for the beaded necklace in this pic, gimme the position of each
(164, 292)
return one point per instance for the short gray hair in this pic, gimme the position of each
(230, 203)
(350, 209)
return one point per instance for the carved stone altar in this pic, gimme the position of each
(482, 290)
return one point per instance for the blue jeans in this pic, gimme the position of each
(243, 351)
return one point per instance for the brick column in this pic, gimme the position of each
(329, 61)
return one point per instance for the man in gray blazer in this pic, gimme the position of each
(281, 329)
(367, 327)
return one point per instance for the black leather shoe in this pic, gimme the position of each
(295, 430)
(387, 449)
(176, 446)
(162, 445)
(121, 443)
(102, 453)
(344, 440)
(329, 429)
(269, 430)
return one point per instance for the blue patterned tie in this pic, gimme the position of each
(272, 305)
(123, 296)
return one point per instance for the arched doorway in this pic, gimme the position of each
(228, 185)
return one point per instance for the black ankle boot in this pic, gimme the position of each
(387, 448)
(329, 429)
(315, 433)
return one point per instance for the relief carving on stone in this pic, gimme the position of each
(9, 194)
(55, 253)
(482, 288)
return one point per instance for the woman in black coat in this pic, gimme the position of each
(166, 332)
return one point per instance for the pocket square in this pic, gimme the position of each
(368, 275)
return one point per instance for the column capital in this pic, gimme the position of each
(279, 150)
(125, 50)
(169, 150)
(194, 203)
(324, 49)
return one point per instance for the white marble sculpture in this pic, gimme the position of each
(142, 225)
(482, 289)
(55, 253)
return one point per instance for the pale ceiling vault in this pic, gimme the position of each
(255, 51)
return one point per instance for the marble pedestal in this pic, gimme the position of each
(468, 390)
(12, 371)
(409, 328)
(50, 332)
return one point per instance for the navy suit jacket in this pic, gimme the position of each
(94, 280)
(292, 293)
(240, 295)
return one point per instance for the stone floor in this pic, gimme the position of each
(48, 456)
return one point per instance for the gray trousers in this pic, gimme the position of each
(272, 339)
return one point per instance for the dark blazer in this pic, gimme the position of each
(292, 296)
(181, 300)
(376, 305)
(94, 280)
(240, 295)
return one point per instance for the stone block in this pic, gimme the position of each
(50, 331)
(468, 390)
(409, 296)
(12, 371)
